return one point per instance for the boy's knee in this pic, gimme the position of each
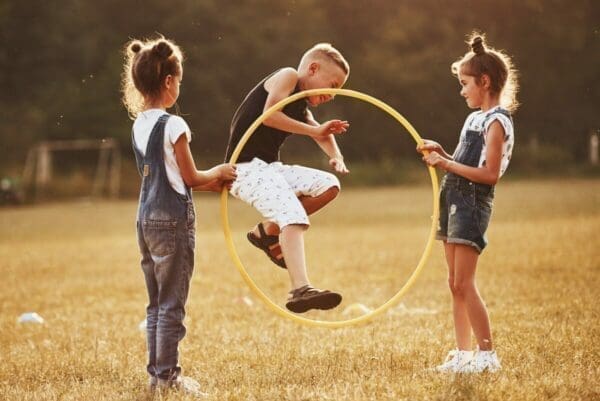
(334, 182)
(332, 192)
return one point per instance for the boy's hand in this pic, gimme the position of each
(434, 159)
(332, 127)
(226, 172)
(338, 165)
(430, 146)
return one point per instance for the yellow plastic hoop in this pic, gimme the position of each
(227, 231)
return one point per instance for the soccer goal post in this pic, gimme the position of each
(38, 172)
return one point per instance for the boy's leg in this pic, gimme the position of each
(314, 188)
(465, 264)
(262, 186)
(311, 204)
(462, 326)
(292, 246)
(303, 296)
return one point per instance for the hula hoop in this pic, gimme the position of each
(227, 231)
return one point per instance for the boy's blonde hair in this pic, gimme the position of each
(324, 51)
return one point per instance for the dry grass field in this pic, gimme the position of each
(76, 264)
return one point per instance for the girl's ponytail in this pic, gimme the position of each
(135, 46)
(477, 45)
(162, 50)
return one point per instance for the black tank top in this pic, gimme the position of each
(265, 142)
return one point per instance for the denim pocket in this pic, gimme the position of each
(484, 214)
(468, 197)
(160, 236)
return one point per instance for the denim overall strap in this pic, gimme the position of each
(158, 200)
(469, 153)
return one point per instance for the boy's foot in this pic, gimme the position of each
(185, 384)
(455, 360)
(483, 361)
(269, 244)
(305, 298)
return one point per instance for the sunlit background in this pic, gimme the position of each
(61, 64)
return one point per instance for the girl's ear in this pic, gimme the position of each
(313, 68)
(485, 81)
(168, 81)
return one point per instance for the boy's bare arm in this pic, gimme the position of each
(280, 86)
(329, 145)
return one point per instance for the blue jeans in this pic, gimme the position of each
(167, 249)
(166, 238)
(465, 211)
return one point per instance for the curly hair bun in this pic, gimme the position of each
(162, 49)
(135, 47)
(477, 45)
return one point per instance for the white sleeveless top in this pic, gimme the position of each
(475, 122)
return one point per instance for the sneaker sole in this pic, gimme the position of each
(319, 301)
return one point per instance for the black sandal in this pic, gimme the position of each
(265, 242)
(305, 298)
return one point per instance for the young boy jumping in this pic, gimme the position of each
(284, 194)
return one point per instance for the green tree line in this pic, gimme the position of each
(61, 63)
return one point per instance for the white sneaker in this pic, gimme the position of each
(455, 360)
(184, 384)
(483, 361)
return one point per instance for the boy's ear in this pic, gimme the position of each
(313, 68)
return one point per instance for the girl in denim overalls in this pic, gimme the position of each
(488, 83)
(165, 218)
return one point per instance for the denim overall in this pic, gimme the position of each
(166, 237)
(466, 206)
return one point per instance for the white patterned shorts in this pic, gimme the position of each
(273, 189)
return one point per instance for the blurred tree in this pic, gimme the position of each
(60, 66)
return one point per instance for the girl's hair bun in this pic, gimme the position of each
(162, 49)
(135, 47)
(477, 45)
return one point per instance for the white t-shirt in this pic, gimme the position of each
(475, 121)
(175, 127)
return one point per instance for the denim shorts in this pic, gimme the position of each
(465, 211)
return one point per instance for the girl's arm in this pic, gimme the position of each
(280, 86)
(433, 146)
(215, 185)
(329, 145)
(488, 174)
(198, 178)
